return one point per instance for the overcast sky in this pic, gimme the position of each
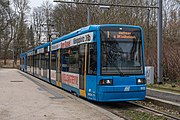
(36, 3)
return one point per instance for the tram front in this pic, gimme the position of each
(122, 75)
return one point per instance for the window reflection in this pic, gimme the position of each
(121, 54)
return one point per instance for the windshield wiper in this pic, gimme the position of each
(111, 60)
(108, 54)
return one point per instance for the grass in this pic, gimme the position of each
(135, 114)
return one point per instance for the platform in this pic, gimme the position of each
(23, 97)
(164, 95)
(167, 99)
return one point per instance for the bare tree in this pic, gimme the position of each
(69, 17)
(7, 29)
(4, 7)
(21, 7)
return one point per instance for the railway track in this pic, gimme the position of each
(156, 111)
(141, 112)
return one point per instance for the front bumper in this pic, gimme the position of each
(121, 93)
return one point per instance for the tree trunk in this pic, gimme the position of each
(5, 56)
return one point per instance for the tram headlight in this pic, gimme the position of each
(106, 82)
(140, 81)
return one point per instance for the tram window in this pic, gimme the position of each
(53, 61)
(74, 60)
(36, 58)
(43, 61)
(39, 61)
(64, 60)
(31, 60)
(92, 58)
(28, 61)
(70, 60)
(46, 60)
(21, 61)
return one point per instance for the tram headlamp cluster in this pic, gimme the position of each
(140, 81)
(106, 82)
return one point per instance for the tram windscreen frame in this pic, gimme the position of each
(121, 51)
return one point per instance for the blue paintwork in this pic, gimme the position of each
(53, 82)
(124, 88)
(23, 67)
(70, 88)
(42, 46)
(91, 87)
(116, 92)
(45, 79)
(120, 96)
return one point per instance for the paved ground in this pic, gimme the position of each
(27, 98)
(163, 98)
(170, 96)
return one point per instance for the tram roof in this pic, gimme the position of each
(30, 50)
(23, 54)
(87, 29)
(78, 32)
(42, 46)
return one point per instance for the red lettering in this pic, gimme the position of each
(65, 44)
(70, 79)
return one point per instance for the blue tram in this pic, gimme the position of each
(23, 62)
(99, 62)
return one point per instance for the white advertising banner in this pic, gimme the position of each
(53, 74)
(70, 79)
(42, 71)
(80, 39)
(28, 68)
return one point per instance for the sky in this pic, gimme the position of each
(36, 3)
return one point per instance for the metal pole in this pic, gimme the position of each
(88, 15)
(118, 5)
(159, 45)
(13, 57)
(148, 37)
(50, 58)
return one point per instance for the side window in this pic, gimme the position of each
(46, 58)
(43, 61)
(70, 59)
(74, 60)
(36, 58)
(22, 61)
(31, 60)
(92, 58)
(28, 61)
(65, 60)
(53, 60)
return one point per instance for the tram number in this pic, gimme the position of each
(127, 88)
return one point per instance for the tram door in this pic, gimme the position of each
(82, 69)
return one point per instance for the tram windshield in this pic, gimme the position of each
(121, 51)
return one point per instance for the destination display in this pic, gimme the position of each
(121, 35)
